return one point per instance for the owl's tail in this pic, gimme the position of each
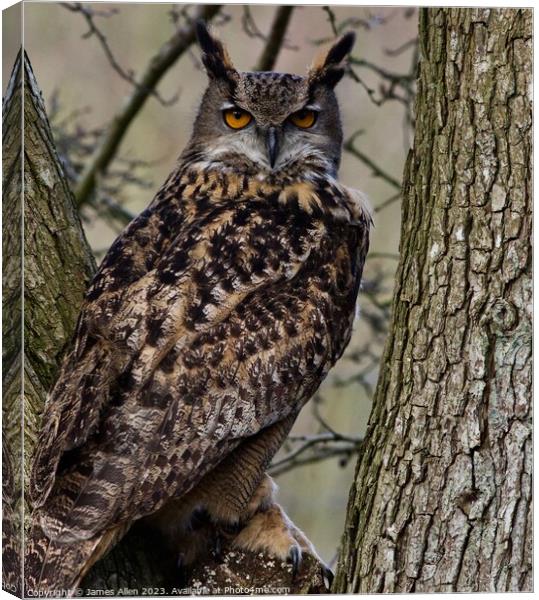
(52, 568)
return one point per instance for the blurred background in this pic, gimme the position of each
(88, 58)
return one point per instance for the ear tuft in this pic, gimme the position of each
(328, 67)
(341, 49)
(214, 54)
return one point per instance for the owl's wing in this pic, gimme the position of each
(212, 345)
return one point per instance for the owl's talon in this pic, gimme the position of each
(294, 557)
(328, 576)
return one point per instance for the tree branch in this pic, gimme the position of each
(315, 448)
(275, 39)
(402, 48)
(377, 171)
(94, 30)
(332, 20)
(167, 55)
(404, 79)
(388, 202)
(235, 572)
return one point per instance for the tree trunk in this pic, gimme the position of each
(442, 493)
(58, 266)
(12, 334)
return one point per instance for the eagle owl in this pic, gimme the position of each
(211, 321)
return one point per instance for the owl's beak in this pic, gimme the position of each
(272, 145)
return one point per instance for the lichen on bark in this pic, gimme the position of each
(442, 493)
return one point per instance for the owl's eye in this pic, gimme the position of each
(304, 118)
(236, 118)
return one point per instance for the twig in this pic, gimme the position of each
(89, 15)
(322, 446)
(113, 209)
(400, 49)
(377, 171)
(157, 67)
(179, 12)
(315, 447)
(344, 453)
(249, 24)
(338, 28)
(275, 39)
(316, 413)
(404, 80)
(126, 75)
(355, 23)
(332, 20)
(369, 90)
(387, 203)
(75, 144)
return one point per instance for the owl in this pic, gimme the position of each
(211, 321)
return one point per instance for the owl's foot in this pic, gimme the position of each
(271, 531)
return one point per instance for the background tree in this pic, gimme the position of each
(442, 495)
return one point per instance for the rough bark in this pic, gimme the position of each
(58, 265)
(442, 494)
(128, 570)
(255, 574)
(11, 334)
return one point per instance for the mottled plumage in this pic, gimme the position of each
(213, 318)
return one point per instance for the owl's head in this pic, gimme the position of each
(270, 120)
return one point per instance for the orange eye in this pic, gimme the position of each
(236, 118)
(304, 118)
